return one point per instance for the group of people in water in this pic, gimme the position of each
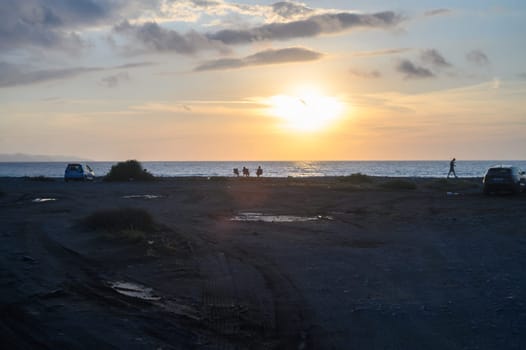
(246, 172)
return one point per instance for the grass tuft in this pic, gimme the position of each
(130, 170)
(129, 223)
(39, 178)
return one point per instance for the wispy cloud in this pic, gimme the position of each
(412, 71)
(135, 65)
(478, 57)
(114, 80)
(290, 9)
(437, 12)
(152, 36)
(380, 52)
(374, 74)
(434, 58)
(281, 11)
(267, 57)
(311, 27)
(15, 74)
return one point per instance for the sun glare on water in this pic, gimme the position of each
(305, 112)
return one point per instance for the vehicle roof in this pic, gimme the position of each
(502, 167)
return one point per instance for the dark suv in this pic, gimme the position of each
(504, 178)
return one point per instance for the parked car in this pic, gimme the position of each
(78, 172)
(504, 178)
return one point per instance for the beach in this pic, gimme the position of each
(268, 263)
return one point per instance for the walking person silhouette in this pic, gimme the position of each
(452, 168)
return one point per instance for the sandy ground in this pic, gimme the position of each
(379, 269)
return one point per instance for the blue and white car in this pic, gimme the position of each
(78, 172)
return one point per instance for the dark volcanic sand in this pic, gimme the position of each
(381, 269)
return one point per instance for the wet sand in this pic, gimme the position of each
(333, 264)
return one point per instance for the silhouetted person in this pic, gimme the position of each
(236, 172)
(452, 168)
(246, 172)
(259, 171)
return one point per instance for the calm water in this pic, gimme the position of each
(272, 169)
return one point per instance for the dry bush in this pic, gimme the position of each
(130, 223)
(130, 170)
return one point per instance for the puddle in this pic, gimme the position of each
(43, 200)
(251, 217)
(134, 290)
(142, 196)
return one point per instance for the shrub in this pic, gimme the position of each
(130, 170)
(399, 185)
(358, 178)
(39, 178)
(121, 221)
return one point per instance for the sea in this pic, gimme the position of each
(466, 169)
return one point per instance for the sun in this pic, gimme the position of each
(306, 111)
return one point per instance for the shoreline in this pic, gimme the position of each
(262, 178)
(274, 169)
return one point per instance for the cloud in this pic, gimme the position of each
(522, 76)
(51, 23)
(15, 74)
(194, 10)
(434, 58)
(380, 52)
(413, 71)
(437, 12)
(151, 36)
(271, 56)
(477, 57)
(135, 65)
(374, 74)
(289, 9)
(112, 81)
(313, 26)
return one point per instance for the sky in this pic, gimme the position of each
(263, 80)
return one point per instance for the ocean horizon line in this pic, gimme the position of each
(391, 168)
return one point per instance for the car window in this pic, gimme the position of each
(74, 167)
(499, 171)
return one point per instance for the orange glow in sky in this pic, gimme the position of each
(305, 112)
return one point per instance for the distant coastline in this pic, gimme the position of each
(24, 157)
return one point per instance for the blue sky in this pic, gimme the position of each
(200, 80)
